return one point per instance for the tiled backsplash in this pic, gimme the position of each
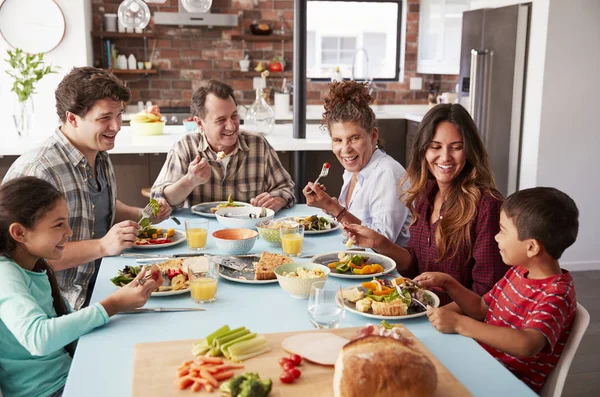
(185, 56)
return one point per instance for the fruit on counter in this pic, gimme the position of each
(260, 67)
(237, 344)
(247, 384)
(277, 64)
(151, 115)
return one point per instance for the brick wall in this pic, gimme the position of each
(185, 56)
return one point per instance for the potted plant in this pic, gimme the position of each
(26, 70)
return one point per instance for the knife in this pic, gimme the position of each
(163, 309)
(165, 256)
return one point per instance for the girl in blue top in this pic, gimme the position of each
(37, 328)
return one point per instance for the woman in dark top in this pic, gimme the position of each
(454, 203)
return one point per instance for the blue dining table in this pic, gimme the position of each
(103, 362)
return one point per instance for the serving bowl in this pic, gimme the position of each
(299, 288)
(261, 29)
(154, 128)
(235, 241)
(239, 217)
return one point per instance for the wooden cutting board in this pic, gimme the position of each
(155, 367)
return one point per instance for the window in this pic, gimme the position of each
(362, 38)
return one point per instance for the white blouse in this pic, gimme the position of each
(375, 199)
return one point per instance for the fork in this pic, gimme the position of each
(146, 213)
(399, 289)
(324, 172)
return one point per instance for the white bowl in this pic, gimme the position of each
(299, 288)
(244, 222)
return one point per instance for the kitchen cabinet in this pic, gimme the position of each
(440, 27)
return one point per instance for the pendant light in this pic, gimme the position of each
(199, 6)
(134, 14)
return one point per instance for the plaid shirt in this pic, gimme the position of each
(478, 269)
(64, 166)
(254, 168)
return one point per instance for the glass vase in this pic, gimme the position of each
(22, 115)
(260, 117)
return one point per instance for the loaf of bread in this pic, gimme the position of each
(384, 367)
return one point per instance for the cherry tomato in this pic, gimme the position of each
(296, 359)
(288, 366)
(295, 372)
(326, 165)
(287, 377)
(284, 360)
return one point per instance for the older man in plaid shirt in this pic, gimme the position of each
(89, 103)
(249, 171)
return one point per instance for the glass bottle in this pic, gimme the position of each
(260, 117)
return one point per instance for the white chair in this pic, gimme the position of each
(555, 382)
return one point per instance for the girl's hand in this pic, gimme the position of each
(362, 236)
(133, 295)
(316, 196)
(433, 279)
(445, 321)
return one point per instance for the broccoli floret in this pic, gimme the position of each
(234, 386)
(267, 385)
(248, 384)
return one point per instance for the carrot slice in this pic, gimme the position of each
(183, 372)
(209, 388)
(223, 375)
(196, 386)
(229, 366)
(184, 383)
(212, 360)
(211, 379)
(185, 364)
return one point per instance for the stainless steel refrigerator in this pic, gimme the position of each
(493, 62)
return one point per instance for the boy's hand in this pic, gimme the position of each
(433, 279)
(445, 321)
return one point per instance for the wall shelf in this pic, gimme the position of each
(252, 73)
(271, 37)
(134, 71)
(119, 35)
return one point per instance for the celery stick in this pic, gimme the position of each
(250, 355)
(232, 332)
(241, 348)
(224, 339)
(223, 330)
(225, 346)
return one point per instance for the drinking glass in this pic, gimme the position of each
(196, 232)
(325, 305)
(292, 238)
(203, 280)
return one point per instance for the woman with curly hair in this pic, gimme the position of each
(454, 203)
(369, 194)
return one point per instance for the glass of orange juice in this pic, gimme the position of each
(196, 232)
(203, 280)
(292, 238)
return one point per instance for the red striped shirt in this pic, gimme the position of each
(546, 305)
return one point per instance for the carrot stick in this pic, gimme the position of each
(183, 372)
(195, 373)
(209, 388)
(223, 375)
(196, 386)
(211, 379)
(229, 366)
(185, 364)
(212, 360)
(184, 383)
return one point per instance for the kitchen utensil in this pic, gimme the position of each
(177, 221)
(324, 172)
(399, 289)
(146, 213)
(167, 256)
(163, 309)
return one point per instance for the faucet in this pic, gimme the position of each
(354, 60)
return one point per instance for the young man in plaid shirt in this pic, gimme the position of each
(195, 168)
(525, 320)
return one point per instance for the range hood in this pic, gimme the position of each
(185, 18)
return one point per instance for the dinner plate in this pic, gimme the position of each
(245, 275)
(169, 293)
(351, 307)
(334, 224)
(179, 237)
(388, 263)
(203, 209)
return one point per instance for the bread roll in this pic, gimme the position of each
(383, 367)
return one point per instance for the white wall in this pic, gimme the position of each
(570, 129)
(74, 50)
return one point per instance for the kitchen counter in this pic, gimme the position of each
(281, 138)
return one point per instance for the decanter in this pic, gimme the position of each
(260, 117)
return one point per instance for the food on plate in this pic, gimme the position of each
(237, 344)
(264, 268)
(204, 372)
(355, 264)
(150, 236)
(129, 273)
(382, 298)
(385, 361)
(228, 204)
(247, 384)
(170, 270)
(151, 115)
(349, 243)
(304, 273)
(313, 222)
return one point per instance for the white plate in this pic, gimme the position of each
(179, 237)
(334, 224)
(169, 293)
(351, 307)
(247, 272)
(388, 263)
(245, 281)
(203, 209)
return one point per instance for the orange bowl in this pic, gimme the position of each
(235, 241)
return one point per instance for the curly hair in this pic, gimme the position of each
(453, 232)
(348, 101)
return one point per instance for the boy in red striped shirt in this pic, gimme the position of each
(525, 320)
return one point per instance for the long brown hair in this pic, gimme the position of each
(25, 200)
(453, 231)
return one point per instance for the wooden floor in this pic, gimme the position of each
(584, 376)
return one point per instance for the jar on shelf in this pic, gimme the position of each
(260, 118)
